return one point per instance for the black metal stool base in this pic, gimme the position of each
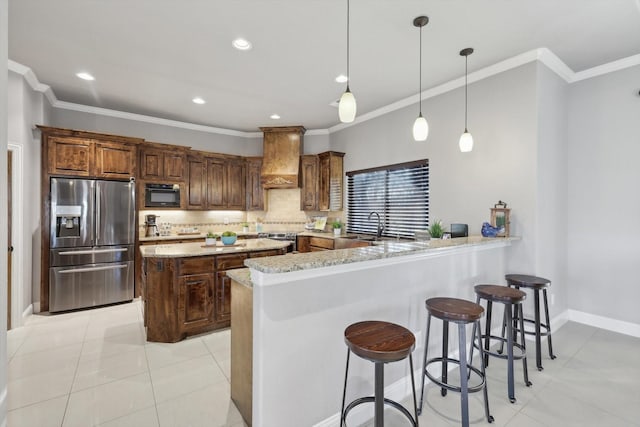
(372, 399)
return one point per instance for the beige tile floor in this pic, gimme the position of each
(94, 368)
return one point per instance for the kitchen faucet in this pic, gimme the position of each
(380, 225)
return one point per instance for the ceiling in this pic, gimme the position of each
(153, 56)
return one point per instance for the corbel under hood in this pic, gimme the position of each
(282, 148)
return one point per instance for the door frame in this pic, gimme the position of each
(17, 236)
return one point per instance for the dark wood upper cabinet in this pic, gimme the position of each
(197, 183)
(159, 164)
(322, 181)
(69, 156)
(254, 190)
(216, 183)
(330, 185)
(236, 182)
(309, 190)
(114, 160)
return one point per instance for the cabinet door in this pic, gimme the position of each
(303, 244)
(115, 160)
(195, 303)
(309, 196)
(70, 156)
(236, 178)
(255, 193)
(174, 166)
(216, 184)
(223, 297)
(152, 165)
(331, 181)
(197, 185)
(323, 184)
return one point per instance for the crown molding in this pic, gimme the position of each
(543, 55)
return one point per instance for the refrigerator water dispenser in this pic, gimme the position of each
(68, 220)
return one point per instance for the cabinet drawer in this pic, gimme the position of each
(196, 265)
(321, 242)
(273, 252)
(226, 262)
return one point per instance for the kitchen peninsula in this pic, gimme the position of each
(185, 289)
(300, 305)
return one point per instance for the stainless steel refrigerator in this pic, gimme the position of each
(92, 235)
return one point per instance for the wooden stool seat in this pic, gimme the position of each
(537, 285)
(527, 281)
(379, 341)
(500, 294)
(454, 309)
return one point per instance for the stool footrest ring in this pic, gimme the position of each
(458, 389)
(370, 399)
(521, 351)
(533, 322)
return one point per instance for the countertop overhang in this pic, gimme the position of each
(272, 270)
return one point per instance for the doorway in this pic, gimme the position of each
(9, 242)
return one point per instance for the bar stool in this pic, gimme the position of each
(380, 343)
(537, 284)
(462, 313)
(512, 300)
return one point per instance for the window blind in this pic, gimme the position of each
(399, 193)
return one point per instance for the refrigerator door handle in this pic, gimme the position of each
(93, 251)
(98, 197)
(86, 269)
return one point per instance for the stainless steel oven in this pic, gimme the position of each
(162, 195)
(291, 237)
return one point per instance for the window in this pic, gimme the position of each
(399, 193)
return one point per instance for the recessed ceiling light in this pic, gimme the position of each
(342, 79)
(241, 44)
(85, 76)
(198, 100)
(275, 116)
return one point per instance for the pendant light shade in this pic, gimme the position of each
(420, 129)
(420, 126)
(347, 105)
(466, 140)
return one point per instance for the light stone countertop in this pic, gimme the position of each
(181, 250)
(188, 236)
(241, 275)
(386, 249)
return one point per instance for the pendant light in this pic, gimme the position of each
(347, 104)
(466, 140)
(420, 126)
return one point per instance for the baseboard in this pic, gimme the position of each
(613, 325)
(26, 313)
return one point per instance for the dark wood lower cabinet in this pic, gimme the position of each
(189, 296)
(195, 301)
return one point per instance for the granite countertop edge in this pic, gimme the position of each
(195, 249)
(312, 260)
(242, 276)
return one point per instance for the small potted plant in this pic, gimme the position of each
(229, 237)
(210, 239)
(245, 227)
(337, 227)
(436, 230)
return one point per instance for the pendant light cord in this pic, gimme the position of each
(466, 61)
(348, 73)
(420, 77)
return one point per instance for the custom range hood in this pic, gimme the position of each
(282, 148)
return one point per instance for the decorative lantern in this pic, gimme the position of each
(500, 217)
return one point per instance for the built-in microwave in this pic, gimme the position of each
(162, 196)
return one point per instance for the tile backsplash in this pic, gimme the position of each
(283, 214)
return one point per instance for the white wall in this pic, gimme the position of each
(551, 189)
(26, 108)
(604, 199)
(464, 186)
(4, 35)
(198, 140)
